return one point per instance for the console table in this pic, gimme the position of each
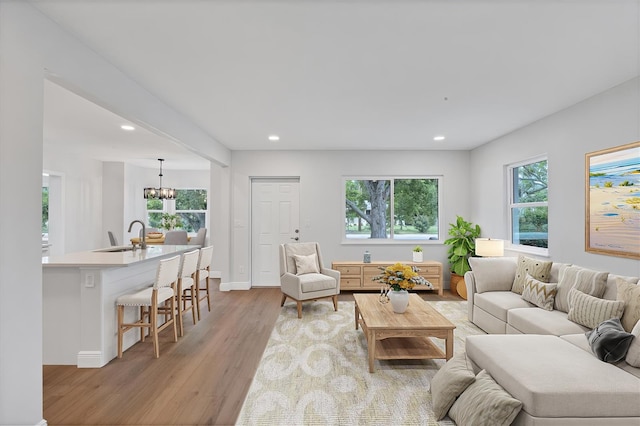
(359, 275)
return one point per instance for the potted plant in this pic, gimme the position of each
(462, 245)
(417, 254)
(170, 221)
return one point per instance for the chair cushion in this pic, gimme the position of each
(143, 297)
(316, 282)
(498, 303)
(306, 264)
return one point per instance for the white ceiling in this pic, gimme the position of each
(356, 74)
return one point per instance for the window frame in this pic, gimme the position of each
(169, 206)
(391, 240)
(511, 204)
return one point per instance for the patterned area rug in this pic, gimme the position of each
(314, 371)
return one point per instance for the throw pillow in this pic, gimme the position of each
(449, 382)
(609, 342)
(493, 273)
(306, 264)
(633, 355)
(539, 293)
(485, 403)
(630, 294)
(585, 280)
(591, 311)
(538, 269)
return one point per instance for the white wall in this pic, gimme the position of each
(609, 119)
(322, 206)
(33, 47)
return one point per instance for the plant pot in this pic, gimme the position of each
(457, 283)
(399, 300)
(417, 256)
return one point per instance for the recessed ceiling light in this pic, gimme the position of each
(127, 127)
(438, 138)
(274, 138)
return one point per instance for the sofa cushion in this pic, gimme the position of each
(609, 342)
(449, 382)
(498, 303)
(538, 269)
(493, 273)
(591, 311)
(585, 280)
(633, 354)
(306, 264)
(539, 321)
(630, 294)
(539, 293)
(611, 289)
(485, 403)
(554, 378)
(581, 341)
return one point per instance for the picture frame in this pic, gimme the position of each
(612, 201)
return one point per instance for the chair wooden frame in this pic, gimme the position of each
(187, 288)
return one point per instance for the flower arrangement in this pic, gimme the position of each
(417, 249)
(401, 277)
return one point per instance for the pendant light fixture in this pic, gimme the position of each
(159, 193)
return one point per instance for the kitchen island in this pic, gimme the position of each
(79, 300)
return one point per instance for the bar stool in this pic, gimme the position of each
(203, 273)
(148, 299)
(187, 288)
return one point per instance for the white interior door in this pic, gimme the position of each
(275, 219)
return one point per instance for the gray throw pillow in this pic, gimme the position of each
(485, 403)
(609, 342)
(449, 382)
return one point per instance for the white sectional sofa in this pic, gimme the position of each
(543, 358)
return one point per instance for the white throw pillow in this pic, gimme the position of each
(538, 269)
(539, 293)
(493, 273)
(629, 293)
(591, 311)
(306, 264)
(633, 355)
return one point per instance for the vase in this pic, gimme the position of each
(417, 256)
(399, 300)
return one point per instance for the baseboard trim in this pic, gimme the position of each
(235, 286)
(89, 359)
(42, 422)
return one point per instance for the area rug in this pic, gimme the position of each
(314, 371)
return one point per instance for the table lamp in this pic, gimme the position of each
(487, 247)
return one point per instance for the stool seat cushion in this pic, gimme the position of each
(143, 297)
(203, 274)
(187, 282)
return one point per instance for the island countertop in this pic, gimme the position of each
(104, 258)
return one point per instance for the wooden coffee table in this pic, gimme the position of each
(402, 336)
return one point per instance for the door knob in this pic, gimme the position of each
(295, 238)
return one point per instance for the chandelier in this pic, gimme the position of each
(159, 193)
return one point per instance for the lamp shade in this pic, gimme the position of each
(486, 247)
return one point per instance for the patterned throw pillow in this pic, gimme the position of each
(630, 294)
(485, 403)
(538, 269)
(608, 341)
(585, 280)
(449, 382)
(306, 264)
(591, 311)
(539, 293)
(633, 354)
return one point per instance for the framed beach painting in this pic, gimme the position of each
(613, 201)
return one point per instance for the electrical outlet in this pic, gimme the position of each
(89, 281)
(242, 269)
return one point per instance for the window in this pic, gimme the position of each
(413, 203)
(528, 204)
(190, 205)
(45, 211)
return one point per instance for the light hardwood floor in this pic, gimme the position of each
(201, 380)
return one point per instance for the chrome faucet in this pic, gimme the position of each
(143, 241)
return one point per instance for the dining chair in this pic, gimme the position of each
(204, 273)
(149, 300)
(187, 288)
(177, 238)
(198, 239)
(112, 239)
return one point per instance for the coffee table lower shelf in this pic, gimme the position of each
(408, 348)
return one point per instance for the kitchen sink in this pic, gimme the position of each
(115, 249)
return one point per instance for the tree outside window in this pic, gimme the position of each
(529, 204)
(412, 202)
(190, 205)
